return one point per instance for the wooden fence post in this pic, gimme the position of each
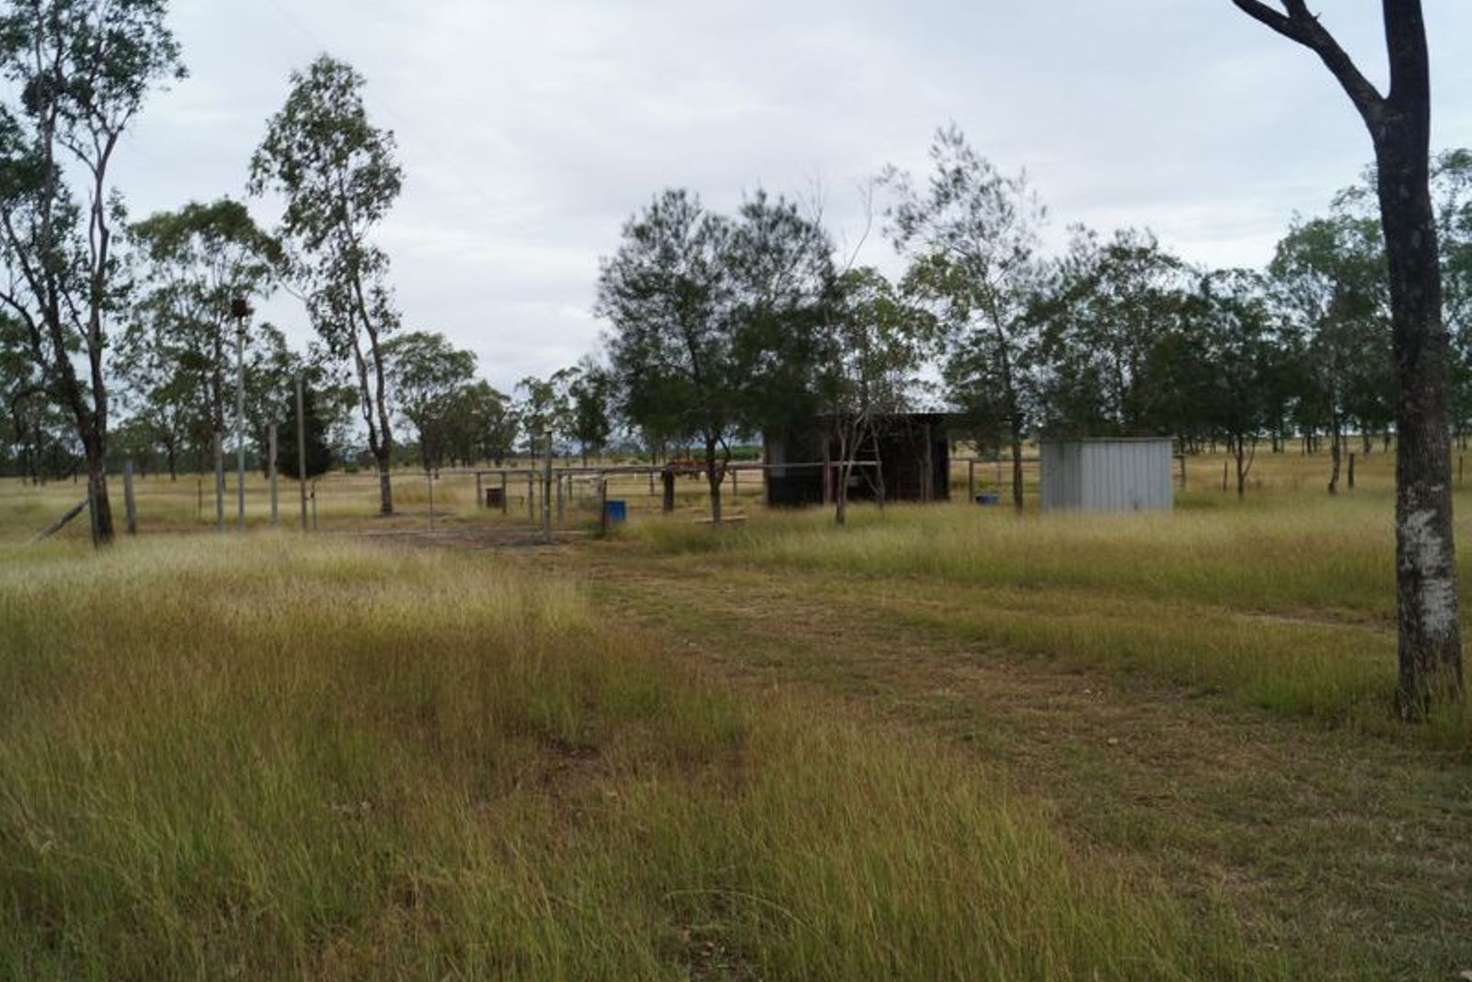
(480, 494)
(561, 503)
(429, 479)
(1224, 477)
(669, 489)
(602, 506)
(971, 481)
(219, 483)
(128, 500)
(1351, 472)
(547, 493)
(1183, 472)
(505, 499)
(275, 489)
(301, 451)
(531, 497)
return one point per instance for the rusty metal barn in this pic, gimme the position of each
(914, 456)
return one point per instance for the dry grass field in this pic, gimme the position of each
(942, 743)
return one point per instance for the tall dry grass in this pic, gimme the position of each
(270, 758)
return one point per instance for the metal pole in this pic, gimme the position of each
(128, 501)
(240, 422)
(301, 449)
(275, 496)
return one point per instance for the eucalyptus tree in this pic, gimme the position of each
(545, 410)
(972, 239)
(873, 350)
(427, 373)
(715, 321)
(1399, 125)
(666, 294)
(481, 424)
(592, 407)
(1328, 276)
(1236, 337)
(338, 178)
(1102, 315)
(179, 348)
(79, 73)
(27, 411)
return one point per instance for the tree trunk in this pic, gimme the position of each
(385, 483)
(1016, 468)
(1336, 444)
(102, 527)
(1430, 646)
(714, 477)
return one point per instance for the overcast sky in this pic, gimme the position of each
(529, 132)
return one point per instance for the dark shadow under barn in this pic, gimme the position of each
(914, 459)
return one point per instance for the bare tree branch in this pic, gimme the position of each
(1303, 27)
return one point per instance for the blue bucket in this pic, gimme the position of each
(988, 499)
(617, 510)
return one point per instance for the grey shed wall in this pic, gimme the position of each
(1108, 475)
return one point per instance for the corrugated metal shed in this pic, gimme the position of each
(1108, 475)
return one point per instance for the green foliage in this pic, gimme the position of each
(338, 177)
(79, 72)
(972, 239)
(716, 322)
(319, 451)
(426, 375)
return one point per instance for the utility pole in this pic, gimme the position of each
(240, 308)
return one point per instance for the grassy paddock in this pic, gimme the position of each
(270, 758)
(1285, 601)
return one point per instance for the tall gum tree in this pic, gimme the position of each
(337, 175)
(972, 239)
(80, 71)
(1399, 123)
